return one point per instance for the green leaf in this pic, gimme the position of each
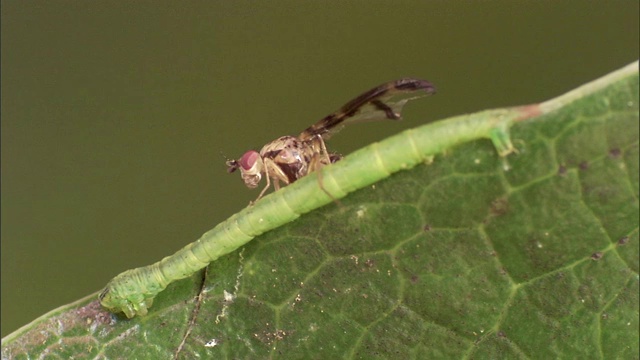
(535, 255)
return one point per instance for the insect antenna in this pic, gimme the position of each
(232, 165)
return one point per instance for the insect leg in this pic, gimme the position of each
(320, 182)
(316, 163)
(272, 171)
(266, 170)
(322, 157)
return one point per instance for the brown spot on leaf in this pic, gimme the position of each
(370, 262)
(584, 165)
(623, 240)
(499, 206)
(562, 170)
(615, 153)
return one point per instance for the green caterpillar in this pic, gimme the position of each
(133, 291)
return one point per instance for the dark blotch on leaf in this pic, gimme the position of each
(596, 256)
(562, 170)
(499, 206)
(584, 165)
(623, 240)
(615, 152)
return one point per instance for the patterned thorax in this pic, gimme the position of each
(291, 155)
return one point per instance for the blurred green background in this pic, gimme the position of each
(115, 114)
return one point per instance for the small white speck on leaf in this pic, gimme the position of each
(361, 212)
(211, 343)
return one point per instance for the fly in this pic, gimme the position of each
(289, 158)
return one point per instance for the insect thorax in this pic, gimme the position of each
(291, 155)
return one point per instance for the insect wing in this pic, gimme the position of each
(383, 102)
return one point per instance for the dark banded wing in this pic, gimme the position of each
(380, 103)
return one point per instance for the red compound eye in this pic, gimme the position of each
(249, 159)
